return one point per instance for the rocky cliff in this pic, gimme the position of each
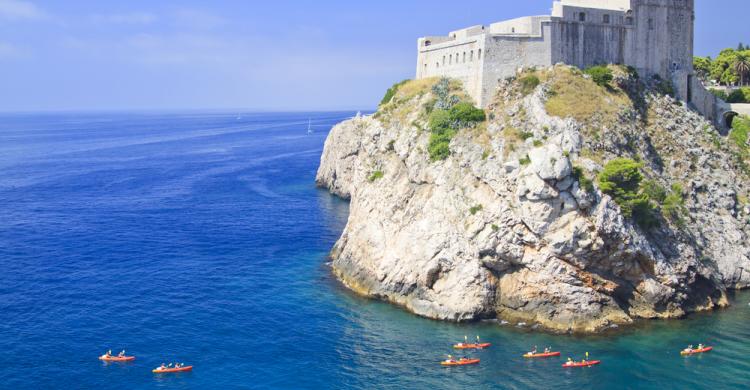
(513, 224)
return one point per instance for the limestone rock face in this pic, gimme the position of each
(480, 235)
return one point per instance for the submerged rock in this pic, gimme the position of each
(480, 235)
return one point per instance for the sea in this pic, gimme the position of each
(201, 238)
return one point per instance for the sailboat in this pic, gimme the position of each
(309, 126)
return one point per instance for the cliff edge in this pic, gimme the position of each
(519, 216)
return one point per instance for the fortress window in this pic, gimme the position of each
(450, 59)
(427, 43)
(606, 19)
(651, 24)
(464, 57)
(471, 56)
(443, 60)
(513, 30)
(582, 17)
(479, 54)
(629, 20)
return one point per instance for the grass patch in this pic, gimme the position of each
(584, 182)
(375, 176)
(528, 83)
(525, 160)
(740, 132)
(601, 75)
(475, 209)
(583, 100)
(391, 92)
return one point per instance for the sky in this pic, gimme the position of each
(282, 55)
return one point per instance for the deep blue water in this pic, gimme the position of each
(201, 238)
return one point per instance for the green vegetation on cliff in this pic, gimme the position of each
(449, 114)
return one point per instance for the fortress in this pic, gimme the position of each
(653, 36)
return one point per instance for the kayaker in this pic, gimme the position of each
(162, 367)
(547, 350)
(570, 361)
(121, 354)
(700, 346)
(109, 353)
(478, 340)
(533, 351)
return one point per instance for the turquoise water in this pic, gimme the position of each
(201, 238)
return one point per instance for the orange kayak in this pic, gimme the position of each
(541, 355)
(582, 364)
(471, 346)
(695, 351)
(168, 370)
(116, 358)
(461, 362)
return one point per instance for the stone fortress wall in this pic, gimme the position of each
(653, 36)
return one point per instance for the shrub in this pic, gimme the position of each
(375, 176)
(673, 205)
(476, 209)
(444, 99)
(621, 178)
(439, 120)
(740, 95)
(465, 112)
(439, 146)
(525, 161)
(584, 182)
(528, 83)
(444, 124)
(654, 191)
(663, 86)
(601, 75)
(537, 143)
(391, 92)
(719, 94)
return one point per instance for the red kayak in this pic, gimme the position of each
(168, 370)
(116, 358)
(460, 362)
(695, 351)
(541, 355)
(581, 364)
(471, 346)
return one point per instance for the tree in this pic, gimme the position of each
(741, 65)
(702, 66)
(721, 67)
(741, 47)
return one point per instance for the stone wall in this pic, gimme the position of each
(506, 54)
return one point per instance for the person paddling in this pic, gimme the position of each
(121, 354)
